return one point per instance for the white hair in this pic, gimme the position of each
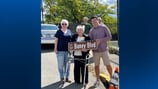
(64, 21)
(80, 27)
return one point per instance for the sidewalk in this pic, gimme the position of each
(50, 76)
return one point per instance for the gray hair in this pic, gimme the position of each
(64, 21)
(99, 18)
(80, 27)
(85, 18)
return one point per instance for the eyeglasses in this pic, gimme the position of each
(64, 24)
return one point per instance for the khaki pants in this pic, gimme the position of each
(104, 55)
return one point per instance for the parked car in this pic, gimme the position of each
(47, 33)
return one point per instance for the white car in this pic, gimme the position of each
(47, 33)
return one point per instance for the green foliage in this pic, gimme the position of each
(75, 10)
(111, 23)
(113, 50)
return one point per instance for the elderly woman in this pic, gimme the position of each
(62, 37)
(80, 56)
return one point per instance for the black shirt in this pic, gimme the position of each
(63, 39)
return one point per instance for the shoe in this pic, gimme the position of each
(61, 86)
(67, 80)
(96, 84)
(62, 80)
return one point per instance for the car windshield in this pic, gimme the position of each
(49, 27)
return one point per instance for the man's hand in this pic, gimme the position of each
(98, 41)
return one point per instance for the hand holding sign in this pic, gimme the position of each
(98, 41)
(86, 45)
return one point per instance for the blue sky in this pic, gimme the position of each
(110, 3)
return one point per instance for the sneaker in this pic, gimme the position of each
(62, 80)
(61, 86)
(67, 80)
(96, 84)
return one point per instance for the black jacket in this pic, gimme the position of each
(74, 39)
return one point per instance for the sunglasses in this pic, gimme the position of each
(64, 24)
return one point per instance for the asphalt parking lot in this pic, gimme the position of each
(50, 76)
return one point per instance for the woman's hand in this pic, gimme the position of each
(55, 50)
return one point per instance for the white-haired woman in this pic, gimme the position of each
(80, 55)
(62, 37)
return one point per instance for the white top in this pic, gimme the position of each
(64, 31)
(78, 52)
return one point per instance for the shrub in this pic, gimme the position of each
(114, 50)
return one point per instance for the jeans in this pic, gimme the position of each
(63, 64)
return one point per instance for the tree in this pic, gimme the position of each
(75, 10)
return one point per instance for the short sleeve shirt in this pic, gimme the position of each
(63, 39)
